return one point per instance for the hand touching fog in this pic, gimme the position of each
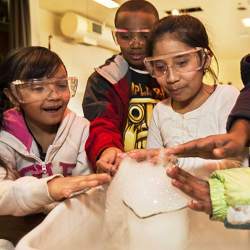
(194, 187)
(63, 187)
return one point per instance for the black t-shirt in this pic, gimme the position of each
(145, 93)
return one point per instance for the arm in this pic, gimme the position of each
(225, 197)
(21, 196)
(220, 146)
(230, 195)
(25, 195)
(245, 69)
(214, 123)
(217, 146)
(241, 109)
(223, 145)
(211, 147)
(106, 106)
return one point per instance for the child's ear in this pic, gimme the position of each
(208, 61)
(11, 97)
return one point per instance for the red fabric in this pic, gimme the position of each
(107, 129)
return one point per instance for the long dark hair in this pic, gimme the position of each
(185, 28)
(23, 64)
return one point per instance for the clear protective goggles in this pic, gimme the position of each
(125, 37)
(181, 62)
(33, 90)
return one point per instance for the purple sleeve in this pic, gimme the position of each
(245, 69)
(241, 109)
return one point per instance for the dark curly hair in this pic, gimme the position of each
(137, 5)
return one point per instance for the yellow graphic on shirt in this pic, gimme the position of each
(139, 116)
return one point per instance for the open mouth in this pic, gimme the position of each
(137, 56)
(53, 109)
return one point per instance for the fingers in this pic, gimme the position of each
(101, 178)
(202, 200)
(113, 169)
(84, 183)
(138, 155)
(184, 188)
(189, 184)
(143, 154)
(103, 166)
(181, 175)
(63, 187)
(200, 206)
(210, 147)
(220, 153)
(186, 150)
(230, 148)
(109, 161)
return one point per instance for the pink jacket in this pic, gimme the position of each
(25, 190)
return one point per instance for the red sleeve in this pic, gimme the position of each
(106, 106)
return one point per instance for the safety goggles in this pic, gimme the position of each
(181, 62)
(125, 37)
(39, 89)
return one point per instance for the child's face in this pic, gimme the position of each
(48, 112)
(181, 86)
(135, 50)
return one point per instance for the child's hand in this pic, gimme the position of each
(194, 187)
(221, 146)
(62, 187)
(144, 154)
(109, 161)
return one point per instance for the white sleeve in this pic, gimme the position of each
(204, 167)
(82, 163)
(23, 195)
(238, 215)
(226, 104)
(154, 139)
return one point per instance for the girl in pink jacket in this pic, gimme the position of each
(41, 141)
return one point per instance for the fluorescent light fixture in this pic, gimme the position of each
(246, 21)
(108, 3)
(175, 12)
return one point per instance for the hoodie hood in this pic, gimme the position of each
(114, 69)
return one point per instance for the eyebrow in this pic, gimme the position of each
(132, 30)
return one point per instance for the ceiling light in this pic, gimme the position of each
(175, 12)
(246, 21)
(108, 3)
(184, 11)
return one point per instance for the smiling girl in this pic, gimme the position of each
(41, 141)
